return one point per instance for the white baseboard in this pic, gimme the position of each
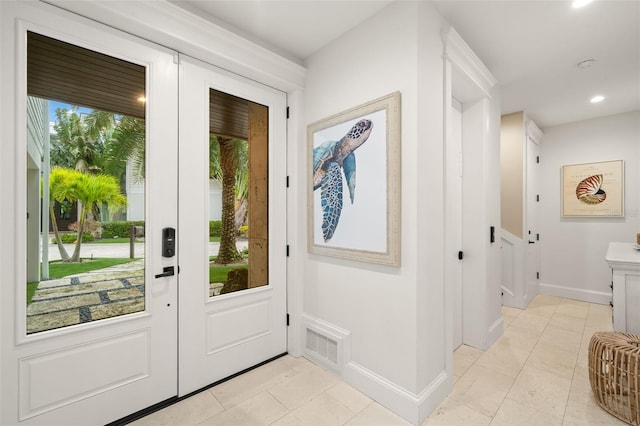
(413, 408)
(583, 295)
(495, 331)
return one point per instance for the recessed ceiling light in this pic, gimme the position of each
(597, 98)
(580, 3)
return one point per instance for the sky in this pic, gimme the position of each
(53, 105)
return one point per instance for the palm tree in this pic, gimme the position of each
(126, 142)
(82, 143)
(99, 142)
(73, 185)
(241, 189)
(57, 181)
(227, 160)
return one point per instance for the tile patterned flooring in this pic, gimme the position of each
(536, 374)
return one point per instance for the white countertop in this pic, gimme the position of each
(623, 255)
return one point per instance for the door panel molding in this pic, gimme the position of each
(250, 322)
(45, 384)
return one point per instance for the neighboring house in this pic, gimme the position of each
(37, 141)
(135, 198)
(38, 125)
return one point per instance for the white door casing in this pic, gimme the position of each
(467, 80)
(453, 215)
(221, 335)
(104, 370)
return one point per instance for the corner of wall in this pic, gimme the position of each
(415, 408)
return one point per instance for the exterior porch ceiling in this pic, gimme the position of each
(63, 72)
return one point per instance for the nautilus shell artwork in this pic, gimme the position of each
(590, 190)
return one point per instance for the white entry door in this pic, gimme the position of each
(84, 348)
(234, 319)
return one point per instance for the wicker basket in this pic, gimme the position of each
(614, 373)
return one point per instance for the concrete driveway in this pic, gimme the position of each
(119, 250)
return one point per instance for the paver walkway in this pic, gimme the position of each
(86, 297)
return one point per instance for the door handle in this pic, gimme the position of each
(167, 271)
(532, 242)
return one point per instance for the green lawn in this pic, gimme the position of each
(218, 274)
(59, 269)
(31, 290)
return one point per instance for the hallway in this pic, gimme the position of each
(536, 374)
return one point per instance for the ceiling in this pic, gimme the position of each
(71, 74)
(531, 47)
(66, 73)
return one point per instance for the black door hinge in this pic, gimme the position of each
(460, 255)
(537, 159)
(537, 237)
(287, 181)
(537, 275)
(287, 112)
(538, 198)
(287, 320)
(287, 250)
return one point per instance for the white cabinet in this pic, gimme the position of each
(624, 260)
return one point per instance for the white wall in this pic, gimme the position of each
(394, 315)
(573, 249)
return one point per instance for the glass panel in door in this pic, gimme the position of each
(85, 185)
(238, 173)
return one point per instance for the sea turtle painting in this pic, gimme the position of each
(330, 160)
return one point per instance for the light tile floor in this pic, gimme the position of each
(536, 374)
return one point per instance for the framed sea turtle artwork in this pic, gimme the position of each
(593, 189)
(354, 183)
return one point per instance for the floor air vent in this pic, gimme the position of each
(325, 343)
(322, 346)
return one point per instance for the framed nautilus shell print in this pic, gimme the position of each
(593, 189)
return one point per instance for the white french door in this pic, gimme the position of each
(223, 333)
(65, 358)
(88, 368)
